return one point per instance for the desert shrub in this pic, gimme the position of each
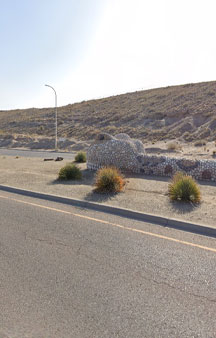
(173, 146)
(80, 157)
(109, 179)
(184, 188)
(187, 136)
(70, 172)
(200, 143)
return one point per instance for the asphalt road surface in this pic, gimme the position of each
(36, 153)
(68, 272)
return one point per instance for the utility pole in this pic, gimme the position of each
(56, 117)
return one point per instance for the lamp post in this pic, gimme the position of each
(56, 115)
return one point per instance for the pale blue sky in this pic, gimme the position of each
(95, 48)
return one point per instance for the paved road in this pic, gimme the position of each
(35, 153)
(67, 272)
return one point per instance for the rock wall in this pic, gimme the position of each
(129, 155)
(119, 151)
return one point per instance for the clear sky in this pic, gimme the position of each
(95, 48)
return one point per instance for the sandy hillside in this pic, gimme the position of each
(186, 113)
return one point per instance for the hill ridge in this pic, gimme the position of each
(186, 112)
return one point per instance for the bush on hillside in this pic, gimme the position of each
(109, 180)
(184, 188)
(173, 146)
(70, 172)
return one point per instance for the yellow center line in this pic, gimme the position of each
(113, 224)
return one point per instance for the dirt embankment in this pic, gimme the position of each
(45, 143)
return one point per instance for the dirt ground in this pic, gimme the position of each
(197, 150)
(177, 148)
(142, 193)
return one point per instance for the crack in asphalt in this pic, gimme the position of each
(181, 290)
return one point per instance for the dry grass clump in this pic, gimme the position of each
(173, 146)
(80, 157)
(188, 136)
(109, 180)
(184, 188)
(70, 172)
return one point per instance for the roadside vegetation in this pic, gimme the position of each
(80, 157)
(70, 172)
(109, 180)
(184, 188)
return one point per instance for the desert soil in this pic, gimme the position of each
(142, 193)
(173, 148)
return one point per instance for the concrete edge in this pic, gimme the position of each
(128, 213)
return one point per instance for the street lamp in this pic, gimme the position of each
(56, 115)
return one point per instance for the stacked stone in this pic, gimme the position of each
(129, 155)
(119, 151)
